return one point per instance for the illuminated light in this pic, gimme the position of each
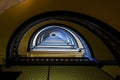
(42, 59)
(37, 59)
(47, 59)
(71, 59)
(66, 59)
(61, 59)
(56, 59)
(51, 59)
(56, 38)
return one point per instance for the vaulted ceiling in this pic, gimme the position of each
(107, 11)
(6, 4)
(14, 12)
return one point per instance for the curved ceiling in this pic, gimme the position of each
(107, 11)
(6, 4)
(15, 12)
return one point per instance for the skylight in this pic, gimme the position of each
(55, 38)
(59, 38)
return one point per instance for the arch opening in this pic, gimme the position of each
(57, 38)
(39, 38)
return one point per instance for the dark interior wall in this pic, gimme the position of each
(107, 11)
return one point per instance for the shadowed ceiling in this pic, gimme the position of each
(6, 4)
(14, 12)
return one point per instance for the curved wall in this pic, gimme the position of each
(106, 11)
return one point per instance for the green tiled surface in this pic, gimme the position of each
(30, 72)
(59, 73)
(113, 70)
(77, 73)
